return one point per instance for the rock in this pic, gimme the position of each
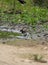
(45, 48)
(46, 34)
(38, 35)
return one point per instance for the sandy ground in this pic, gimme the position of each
(12, 55)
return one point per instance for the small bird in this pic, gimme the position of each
(23, 30)
(22, 1)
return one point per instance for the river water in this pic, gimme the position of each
(35, 36)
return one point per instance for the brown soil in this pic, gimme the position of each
(15, 55)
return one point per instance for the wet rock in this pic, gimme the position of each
(46, 34)
(38, 35)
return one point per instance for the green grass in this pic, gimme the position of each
(30, 14)
(35, 15)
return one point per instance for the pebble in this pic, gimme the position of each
(45, 48)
